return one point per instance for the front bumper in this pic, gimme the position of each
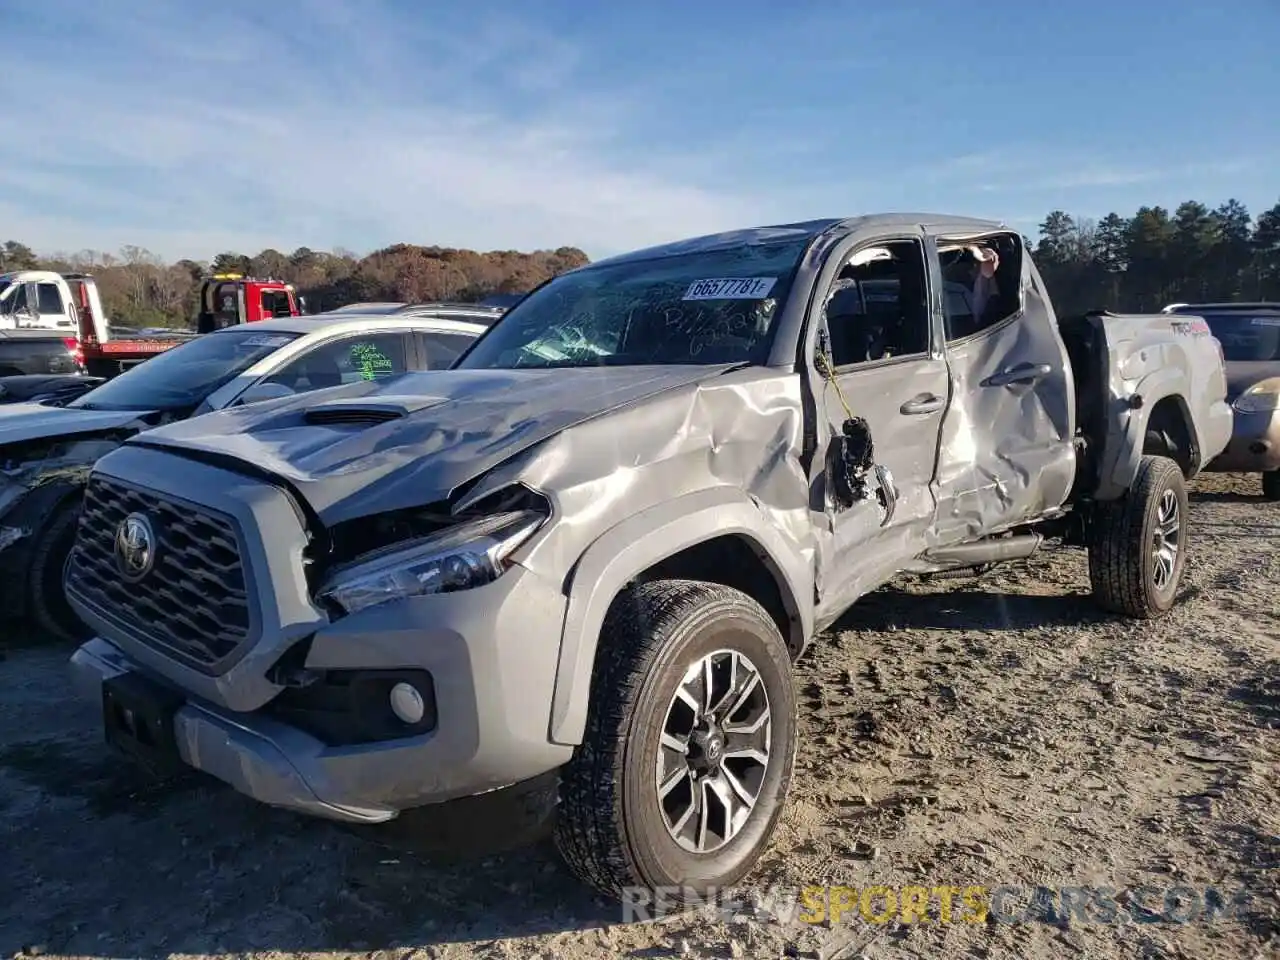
(492, 660)
(245, 755)
(1254, 446)
(491, 654)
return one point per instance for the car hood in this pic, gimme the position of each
(374, 447)
(1243, 374)
(36, 421)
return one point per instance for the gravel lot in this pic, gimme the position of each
(994, 731)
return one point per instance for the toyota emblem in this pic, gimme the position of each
(135, 546)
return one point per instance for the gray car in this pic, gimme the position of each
(595, 547)
(1250, 338)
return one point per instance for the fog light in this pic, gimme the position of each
(407, 703)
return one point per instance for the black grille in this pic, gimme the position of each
(192, 604)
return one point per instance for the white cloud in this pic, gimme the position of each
(193, 128)
(207, 133)
(1038, 170)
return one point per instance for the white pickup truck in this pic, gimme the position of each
(54, 323)
(36, 299)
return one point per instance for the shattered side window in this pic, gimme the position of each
(977, 299)
(878, 307)
(700, 308)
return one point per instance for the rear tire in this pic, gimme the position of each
(623, 796)
(45, 591)
(1138, 544)
(1271, 485)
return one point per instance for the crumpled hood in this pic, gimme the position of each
(448, 427)
(1243, 374)
(34, 421)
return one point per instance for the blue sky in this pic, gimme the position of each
(191, 128)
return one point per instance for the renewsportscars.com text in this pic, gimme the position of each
(943, 903)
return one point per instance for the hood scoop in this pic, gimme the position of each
(366, 412)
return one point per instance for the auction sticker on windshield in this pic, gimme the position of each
(265, 340)
(1266, 321)
(730, 288)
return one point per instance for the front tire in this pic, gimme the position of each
(45, 591)
(1138, 546)
(1271, 485)
(664, 792)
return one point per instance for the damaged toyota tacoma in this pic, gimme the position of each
(593, 549)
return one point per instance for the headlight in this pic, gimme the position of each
(1260, 398)
(468, 555)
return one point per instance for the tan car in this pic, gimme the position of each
(1250, 338)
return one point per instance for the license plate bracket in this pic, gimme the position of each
(138, 717)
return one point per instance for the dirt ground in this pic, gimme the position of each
(993, 732)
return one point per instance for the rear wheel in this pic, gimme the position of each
(46, 593)
(689, 748)
(1271, 484)
(1138, 545)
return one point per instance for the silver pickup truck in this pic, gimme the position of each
(593, 549)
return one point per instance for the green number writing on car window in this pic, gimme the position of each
(370, 361)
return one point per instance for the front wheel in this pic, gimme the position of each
(690, 744)
(46, 594)
(1271, 485)
(1138, 544)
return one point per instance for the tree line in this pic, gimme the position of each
(1137, 263)
(139, 289)
(1153, 258)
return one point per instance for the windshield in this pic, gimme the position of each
(699, 308)
(1244, 336)
(182, 376)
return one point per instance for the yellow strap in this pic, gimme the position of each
(825, 368)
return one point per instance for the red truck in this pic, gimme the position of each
(230, 298)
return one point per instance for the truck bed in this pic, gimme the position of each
(127, 349)
(25, 334)
(1144, 383)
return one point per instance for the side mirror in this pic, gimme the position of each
(265, 391)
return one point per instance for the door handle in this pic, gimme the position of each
(921, 404)
(1022, 373)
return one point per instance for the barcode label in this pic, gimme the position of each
(730, 288)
